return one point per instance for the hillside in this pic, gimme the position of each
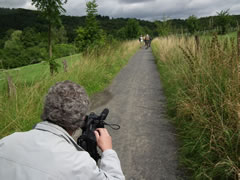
(19, 19)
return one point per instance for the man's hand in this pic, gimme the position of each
(104, 140)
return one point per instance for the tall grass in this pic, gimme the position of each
(203, 92)
(94, 72)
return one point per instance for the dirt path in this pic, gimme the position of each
(146, 142)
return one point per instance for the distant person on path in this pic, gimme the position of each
(141, 41)
(48, 151)
(147, 38)
(150, 41)
(144, 39)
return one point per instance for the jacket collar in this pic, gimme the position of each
(58, 131)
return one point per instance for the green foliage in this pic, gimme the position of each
(29, 47)
(146, 30)
(54, 66)
(14, 43)
(80, 39)
(91, 11)
(34, 35)
(19, 19)
(132, 29)
(59, 35)
(121, 34)
(33, 55)
(61, 50)
(51, 10)
(22, 48)
(91, 35)
(164, 27)
(30, 37)
(223, 21)
(192, 23)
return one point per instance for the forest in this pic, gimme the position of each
(24, 33)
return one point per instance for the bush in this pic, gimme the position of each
(61, 50)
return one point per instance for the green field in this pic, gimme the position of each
(36, 72)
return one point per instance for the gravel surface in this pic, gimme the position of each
(146, 143)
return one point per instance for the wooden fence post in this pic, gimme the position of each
(11, 87)
(65, 66)
(197, 43)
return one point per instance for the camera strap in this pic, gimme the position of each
(113, 126)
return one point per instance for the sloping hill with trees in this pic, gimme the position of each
(24, 39)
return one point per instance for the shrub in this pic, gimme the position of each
(61, 50)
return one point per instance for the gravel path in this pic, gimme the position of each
(146, 143)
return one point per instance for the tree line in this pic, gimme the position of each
(28, 36)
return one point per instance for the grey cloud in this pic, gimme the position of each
(13, 3)
(143, 9)
(75, 8)
(173, 9)
(134, 1)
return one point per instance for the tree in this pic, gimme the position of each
(223, 20)
(192, 24)
(163, 27)
(121, 34)
(59, 35)
(132, 29)
(51, 10)
(81, 40)
(91, 35)
(30, 37)
(12, 50)
(14, 42)
(22, 48)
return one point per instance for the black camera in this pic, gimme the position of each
(88, 140)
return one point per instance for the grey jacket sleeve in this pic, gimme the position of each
(111, 166)
(85, 167)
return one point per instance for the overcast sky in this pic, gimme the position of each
(143, 9)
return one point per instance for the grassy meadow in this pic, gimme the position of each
(93, 71)
(35, 72)
(202, 85)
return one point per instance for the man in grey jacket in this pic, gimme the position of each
(48, 152)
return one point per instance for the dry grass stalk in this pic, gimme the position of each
(238, 44)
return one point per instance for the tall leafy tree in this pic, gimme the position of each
(223, 20)
(14, 42)
(192, 24)
(30, 37)
(163, 27)
(132, 29)
(91, 35)
(51, 10)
